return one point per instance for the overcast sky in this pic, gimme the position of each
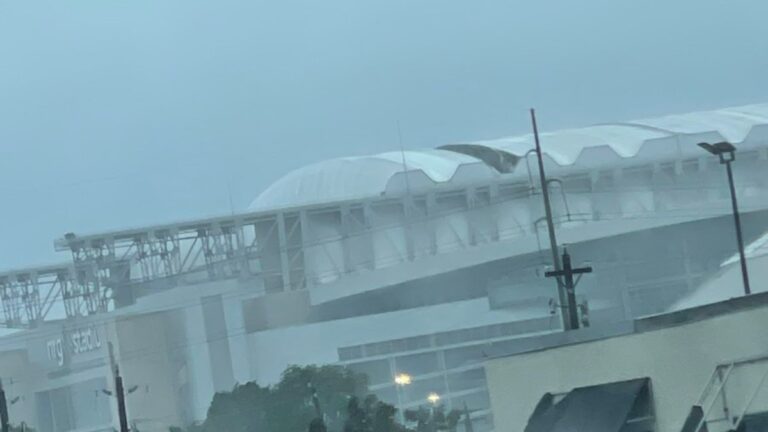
(126, 113)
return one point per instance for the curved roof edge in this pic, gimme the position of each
(598, 146)
(604, 144)
(367, 176)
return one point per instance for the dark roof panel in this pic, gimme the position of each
(600, 408)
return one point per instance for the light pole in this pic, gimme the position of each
(725, 151)
(401, 380)
(433, 399)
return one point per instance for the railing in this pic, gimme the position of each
(734, 391)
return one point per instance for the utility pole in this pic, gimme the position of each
(570, 286)
(119, 391)
(561, 291)
(4, 422)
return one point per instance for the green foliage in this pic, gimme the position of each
(291, 409)
(241, 410)
(287, 406)
(317, 425)
(372, 415)
(433, 419)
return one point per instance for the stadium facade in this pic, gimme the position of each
(420, 262)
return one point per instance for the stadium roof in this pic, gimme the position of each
(596, 146)
(600, 144)
(367, 176)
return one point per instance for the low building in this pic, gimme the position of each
(697, 369)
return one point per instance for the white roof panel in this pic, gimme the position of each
(626, 140)
(365, 176)
(590, 147)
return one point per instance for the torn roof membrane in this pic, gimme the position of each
(596, 147)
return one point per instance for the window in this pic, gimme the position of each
(417, 364)
(378, 371)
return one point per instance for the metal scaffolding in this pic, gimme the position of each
(304, 247)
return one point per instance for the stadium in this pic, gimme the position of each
(425, 262)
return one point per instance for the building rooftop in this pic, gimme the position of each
(650, 323)
(590, 147)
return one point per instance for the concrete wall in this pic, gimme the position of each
(145, 362)
(678, 357)
(272, 350)
(15, 363)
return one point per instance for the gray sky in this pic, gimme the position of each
(126, 113)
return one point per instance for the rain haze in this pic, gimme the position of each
(121, 114)
(346, 216)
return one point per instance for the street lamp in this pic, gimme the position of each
(401, 380)
(725, 151)
(433, 398)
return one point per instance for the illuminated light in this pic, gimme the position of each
(402, 379)
(433, 398)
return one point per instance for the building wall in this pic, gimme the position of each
(60, 370)
(679, 360)
(17, 376)
(317, 343)
(145, 362)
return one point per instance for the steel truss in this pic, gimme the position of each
(302, 247)
(28, 295)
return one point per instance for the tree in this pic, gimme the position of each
(290, 403)
(372, 415)
(434, 419)
(317, 425)
(357, 418)
(241, 410)
(383, 416)
(286, 406)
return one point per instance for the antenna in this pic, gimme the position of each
(408, 205)
(402, 156)
(229, 193)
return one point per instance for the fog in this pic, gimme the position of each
(420, 280)
(116, 114)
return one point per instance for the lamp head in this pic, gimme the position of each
(719, 148)
(402, 379)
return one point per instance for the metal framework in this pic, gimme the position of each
(29, 295)
(303, 247)
(718, 410)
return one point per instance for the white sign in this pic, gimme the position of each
(79, 341)
(56, 351)
(85, 340)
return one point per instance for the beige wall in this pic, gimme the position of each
(15, 364)
(144, 362)
(679, 360)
